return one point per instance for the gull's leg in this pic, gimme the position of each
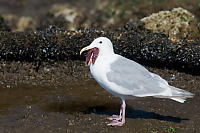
(117, 117)
(118, 122)
(123, 112)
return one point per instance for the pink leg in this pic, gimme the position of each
(116, 117)
(119, 120)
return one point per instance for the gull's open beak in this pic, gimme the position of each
(84, 49)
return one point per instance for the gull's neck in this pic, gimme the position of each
(106, 52)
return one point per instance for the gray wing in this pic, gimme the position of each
(136, 78)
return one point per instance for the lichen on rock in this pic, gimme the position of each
(20, 23)
(177, 24)
(71, 15)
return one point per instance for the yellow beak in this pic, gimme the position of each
(84, 49)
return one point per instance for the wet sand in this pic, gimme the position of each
(56, 105)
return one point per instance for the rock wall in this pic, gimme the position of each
(133, 41)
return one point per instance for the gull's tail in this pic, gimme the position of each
(180, 95)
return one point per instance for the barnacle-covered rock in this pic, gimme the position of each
(178, 24)
(134, 42)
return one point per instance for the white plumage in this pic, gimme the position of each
(127, 79)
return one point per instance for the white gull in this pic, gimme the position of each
(125, 78)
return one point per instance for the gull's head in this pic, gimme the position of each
(99, 47)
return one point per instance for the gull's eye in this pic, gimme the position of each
(100, 42)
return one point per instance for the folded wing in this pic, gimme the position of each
(137, 79)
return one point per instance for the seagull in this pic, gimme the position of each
(125, 78)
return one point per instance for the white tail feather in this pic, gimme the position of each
(182, 95)
(179, 100)
(178, 95)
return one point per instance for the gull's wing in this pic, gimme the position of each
(136, 79)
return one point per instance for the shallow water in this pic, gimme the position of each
(83, 106)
